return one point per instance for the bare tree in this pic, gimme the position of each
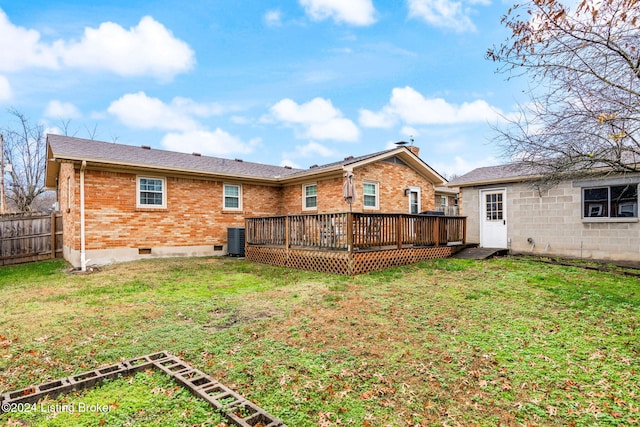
(24, 146)
(584, 71)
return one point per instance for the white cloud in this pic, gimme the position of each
(214, 143)
(411, 107)
(148, 49)
(5, 89)
(186, 134)
(61, 110)
(53, 130)
(409, 131)
(312, 149)
(382, 120)
(138, 110)
(240, 120)
(443, 13)
(21, 48)
(316, 119)
(460, 166)
(273, 18)
(353, 12)
(290, 163)
(199, 109)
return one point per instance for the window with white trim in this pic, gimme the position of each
(414, 200)
(615, 201)
(370, 191)
(310, 196)
(151, 192)
(232, 197)
(494, 207)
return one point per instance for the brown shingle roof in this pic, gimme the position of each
(65, 147)
(495, 174)
(97, 152)
(349, 161)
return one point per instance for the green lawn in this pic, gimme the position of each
(448, 342)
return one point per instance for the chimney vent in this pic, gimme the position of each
(146, 147)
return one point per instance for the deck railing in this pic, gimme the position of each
(449, 210)
(354, 231)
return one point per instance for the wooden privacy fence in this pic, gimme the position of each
(351, 243)
(30, 237)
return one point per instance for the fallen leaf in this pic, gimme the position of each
(369, 394)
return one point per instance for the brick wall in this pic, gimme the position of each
(194, 214)
(392, 180)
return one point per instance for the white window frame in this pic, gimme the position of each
(164, 192)
(418, 192)
(224, 197)
(305, 197)
(497, 208)
(376, 195)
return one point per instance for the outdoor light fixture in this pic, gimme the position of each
(407, 191)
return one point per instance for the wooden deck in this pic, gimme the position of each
(351, 243)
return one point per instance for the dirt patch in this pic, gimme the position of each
(224, 319)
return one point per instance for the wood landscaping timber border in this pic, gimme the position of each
(238, 410)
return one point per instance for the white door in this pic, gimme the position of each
(493, 218)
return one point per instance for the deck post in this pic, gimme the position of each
(286, 235)
(399, 231)
(436, 231)
(464, 231)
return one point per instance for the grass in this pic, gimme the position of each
(447, 342)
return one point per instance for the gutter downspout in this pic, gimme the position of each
(83, 253)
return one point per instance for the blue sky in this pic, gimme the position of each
(285, 82)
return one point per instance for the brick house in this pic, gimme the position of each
(590, 217)
(122, 202)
